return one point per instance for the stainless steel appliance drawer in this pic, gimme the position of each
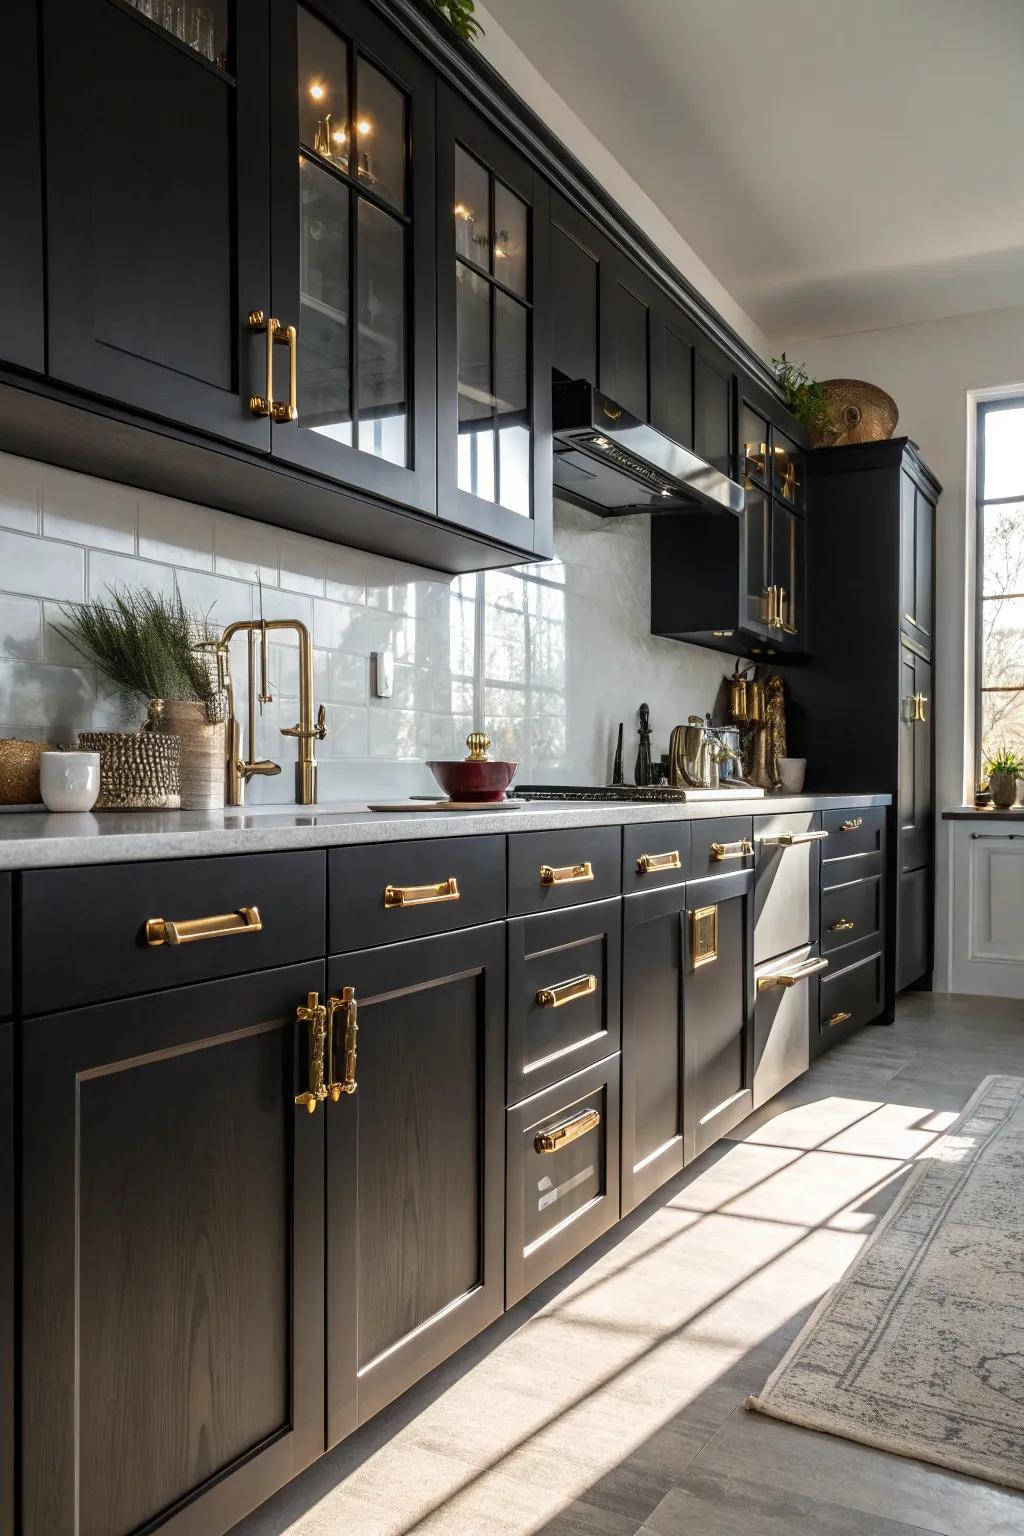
(563, 993)
(784, 1012)
(786, 882)
(562, 1168)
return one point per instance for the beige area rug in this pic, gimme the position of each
(920, 1347)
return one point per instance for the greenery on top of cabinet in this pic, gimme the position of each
(459, 14)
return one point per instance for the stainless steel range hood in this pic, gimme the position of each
(610, 462)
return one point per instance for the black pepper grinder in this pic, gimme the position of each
(617, 776)
(642, 775)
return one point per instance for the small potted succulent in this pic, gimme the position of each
(1005, 769)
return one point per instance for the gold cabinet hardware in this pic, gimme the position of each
(741, 850)
(703, 936)
(793, 839)
(852, 825)
(837, 1018)
(315, 1015)
(649, 863)
(162, 930)
(783, 605)
(347, 1005)
(800, 972)
(568, 874)
(773, 607)
(421, 895)
(842, 925)
(287, 336)
(571, 1130)
(920, 700)
(567, 992)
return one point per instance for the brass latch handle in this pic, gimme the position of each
(347, 1005)
(648, 863)
(567, 874)
(920, 700)
(164, 930)
(266, 405)
(781, 608)
(567, 991)
(842, 925)
(741, 850)
(852, 825)
(315, 733)
(793, 839)
(421, 895)
(801, 972)
(837, 1018)
(315, 1015)
(570, 1130)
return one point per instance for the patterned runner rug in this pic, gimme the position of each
(920, 1347)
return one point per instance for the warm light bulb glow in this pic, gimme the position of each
(364, 126)
(317, 92)
(461, 211)
(339, 136)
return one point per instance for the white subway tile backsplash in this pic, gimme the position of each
(340, 626)
(19, 493)
(243, 549)
(346, 732)
(40, 568)
(219, 600)
(302, 566)
(284, 605)
(348, 677)
(56, 698)
(175, 532)
(53, 645)
(19, 628)
(84, 510)
(345, 572)
(108, 572)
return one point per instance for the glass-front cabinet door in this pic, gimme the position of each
(493, 346)
(351, 358)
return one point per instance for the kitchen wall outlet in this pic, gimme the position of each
(383, 674)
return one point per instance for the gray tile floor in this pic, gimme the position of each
(611, 1402)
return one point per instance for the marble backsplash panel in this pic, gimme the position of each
(547, 657)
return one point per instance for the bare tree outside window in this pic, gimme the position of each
(1001, 583)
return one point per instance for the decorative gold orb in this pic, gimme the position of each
(857, 413)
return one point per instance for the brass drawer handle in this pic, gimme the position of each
(315, 1015)
(793, 839)
(567, 991)
(567, 874)
(571, 1130)
(703, 936)
(287, 336)
(162, 930)
(842, 925)
(837, 1018)
(790, 978)
(346, 1004)
(647, 863)
(852, 825)
(741, 850)
(421, 895)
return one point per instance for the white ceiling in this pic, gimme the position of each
(838, 164)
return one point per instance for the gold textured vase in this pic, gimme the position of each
(857, 413)
(19, 771)
(203, 749)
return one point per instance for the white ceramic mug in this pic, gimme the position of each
(792, 771)
(69, 781)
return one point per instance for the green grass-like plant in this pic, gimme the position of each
(802, 393)
(145, 643)
(1005, 760)
(459, 15)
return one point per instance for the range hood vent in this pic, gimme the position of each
(612, 463)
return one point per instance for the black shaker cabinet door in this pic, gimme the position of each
(718, 990)
(352, 239)
(493, 335)
(415, 1166)
(21, 193)
(173, 1253)
(157, 211)
(6, 1278)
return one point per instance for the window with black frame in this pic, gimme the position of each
(1000, 616)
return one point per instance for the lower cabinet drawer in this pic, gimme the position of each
(852, 996)
(562, 1152)
(563, 993)
(853, 832)
(381, 893)
(721, 846)
(850, 914)
(563, 868)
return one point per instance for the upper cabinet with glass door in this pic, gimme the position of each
(493, 348)
(352, 125)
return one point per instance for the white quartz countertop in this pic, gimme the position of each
(38, 839)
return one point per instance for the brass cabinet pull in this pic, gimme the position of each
(315, 1015)
(793, 839)
(568, 874)
(787, 628)
(852, 825)
(571, 1130)
(162, 930)
(567, 991)
(920, 700)
(421, 895)
(800, 972)
(347, 1005)
(647, 863)
(266, 405)
(741, 850)
(837, 1018)
(842, 925)
(703, 936)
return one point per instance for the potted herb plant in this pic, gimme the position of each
(1005, 769)
(160, 656)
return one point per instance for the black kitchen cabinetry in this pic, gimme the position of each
(172, 1259)
(862, 714)
(719, 991)
(157, 214)
(7, 1441)
(22, 334)
(493, 333)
